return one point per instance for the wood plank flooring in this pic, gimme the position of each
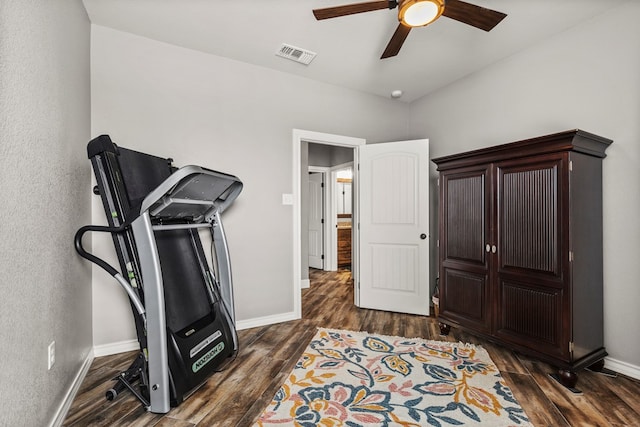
(267, 354)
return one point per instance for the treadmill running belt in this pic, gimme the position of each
(184, 287)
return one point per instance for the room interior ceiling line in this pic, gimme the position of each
(348, 48)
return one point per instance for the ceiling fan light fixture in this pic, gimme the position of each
(418, 13)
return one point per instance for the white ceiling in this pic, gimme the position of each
(349, 47)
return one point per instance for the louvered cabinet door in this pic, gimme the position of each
(532, 298)
(464, 275)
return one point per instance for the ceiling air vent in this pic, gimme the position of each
(297, 54)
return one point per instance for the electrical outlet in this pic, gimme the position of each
(51, 355)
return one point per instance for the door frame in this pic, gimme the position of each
(299, 137)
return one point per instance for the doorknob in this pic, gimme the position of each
(423, 236)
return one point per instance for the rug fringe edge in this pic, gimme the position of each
(459, 343)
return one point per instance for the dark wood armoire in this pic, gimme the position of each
(520, 247)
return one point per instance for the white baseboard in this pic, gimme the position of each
(305, 284)
(115, 348)
(63, 409)
(266, 320)
(131, 345)
(623, 368)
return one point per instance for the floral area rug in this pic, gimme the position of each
(356, 379)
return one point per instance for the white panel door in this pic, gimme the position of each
(316, 237)
(394, 226)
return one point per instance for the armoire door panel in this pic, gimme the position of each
(465, 217)
(529, 215)
(465, 298)
(531, 316)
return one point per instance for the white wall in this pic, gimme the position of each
(228, 116)
(44, 125)
(587, 78)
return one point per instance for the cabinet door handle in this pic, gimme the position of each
(488, 247)
(494, 249)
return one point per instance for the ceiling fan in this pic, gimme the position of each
(418, 13)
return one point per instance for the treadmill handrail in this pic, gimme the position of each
(105, 265)
(161, 196)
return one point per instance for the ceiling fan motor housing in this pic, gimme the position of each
(418, 13)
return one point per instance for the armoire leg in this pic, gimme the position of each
(568, 379)
(599, 368)
(444, 329)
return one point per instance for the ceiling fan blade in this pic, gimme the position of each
(396, 42)
(473, 15)
(350, 9)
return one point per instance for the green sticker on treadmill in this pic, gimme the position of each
(207, 357)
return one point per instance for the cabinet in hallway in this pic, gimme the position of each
(344, 246)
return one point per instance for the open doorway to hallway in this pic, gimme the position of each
(328, 208)
(302, 140)
(390, 236)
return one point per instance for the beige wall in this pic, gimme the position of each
(229, 116)
(44, 125)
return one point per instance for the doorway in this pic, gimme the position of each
(301, 141)
(329, 204)
(343, 185)
(390, 236)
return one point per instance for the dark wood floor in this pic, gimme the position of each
(267, 354)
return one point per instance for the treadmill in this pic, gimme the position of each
(182, 303)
